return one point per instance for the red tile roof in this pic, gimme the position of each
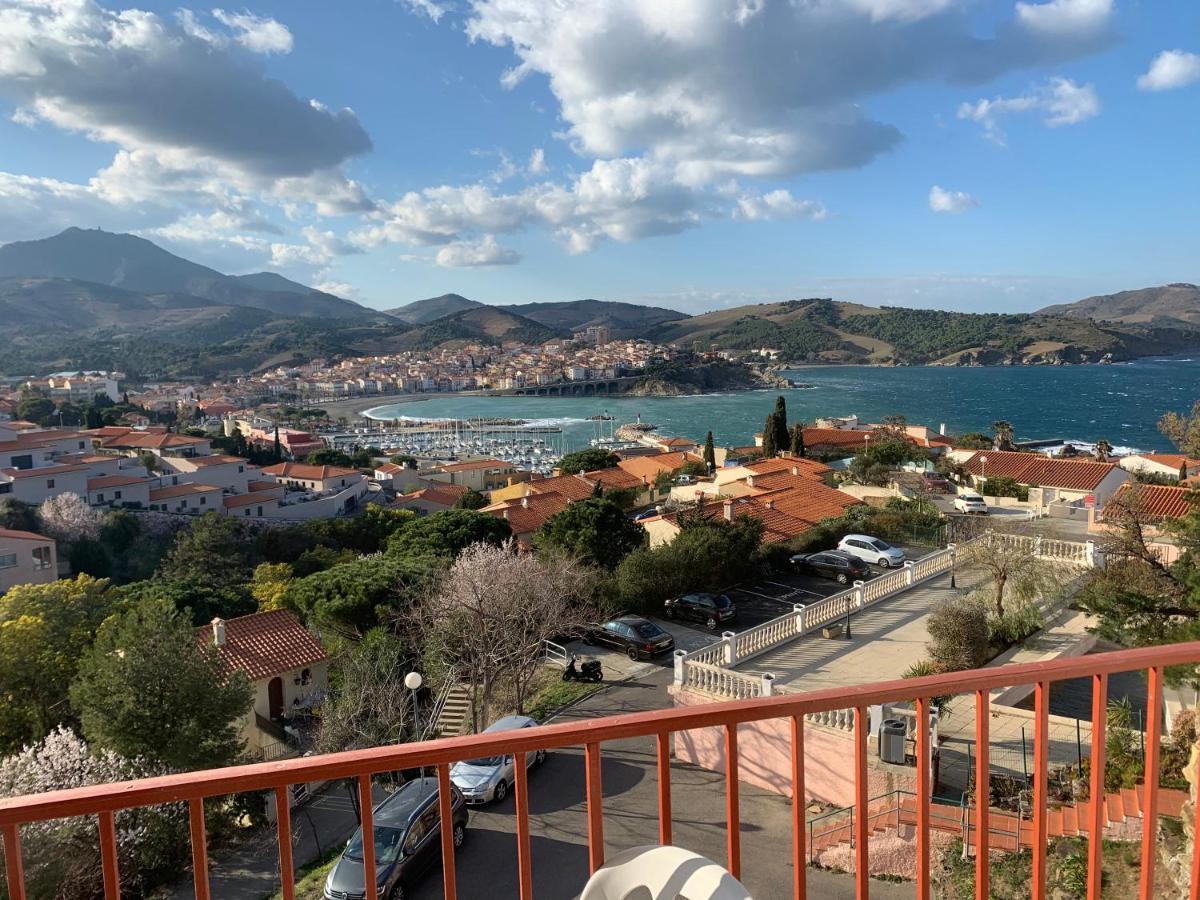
(1173, 460)
(1035, 469)
(307, 472)
(438, 495)
(649, 467)
(782, 464)
(107, 481)
(526, 514)
(476, 464)
(1156, 502)
(14, 535)
(840, 438)
(265, 644)
(238, 500)
(181, 490)
(43, 471)
(143, 440)
(572, 487)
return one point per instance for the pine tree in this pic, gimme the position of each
(710, 453)
(770, 447)
(797, 442)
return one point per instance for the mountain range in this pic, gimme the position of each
(92, 299)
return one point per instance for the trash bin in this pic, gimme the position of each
(891, 741)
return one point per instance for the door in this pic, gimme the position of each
(275, 699)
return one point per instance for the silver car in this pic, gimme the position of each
(487, 779)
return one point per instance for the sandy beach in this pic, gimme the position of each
(356, 406)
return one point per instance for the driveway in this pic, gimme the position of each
(486, 864)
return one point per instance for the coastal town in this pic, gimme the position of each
(595, 450)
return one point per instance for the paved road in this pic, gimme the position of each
(558, 824)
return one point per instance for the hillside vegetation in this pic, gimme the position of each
(1166, 304)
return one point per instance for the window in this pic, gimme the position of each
(117, 495)
(7, 560)
(49, 483)
(183, 504)
(99, 498)
(203, 501)
(41, 557)
(25, 461)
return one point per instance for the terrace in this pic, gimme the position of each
(982, 826)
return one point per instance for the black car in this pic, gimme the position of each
(637, 637)
(841, 567)
(408, 841)
(709, 609)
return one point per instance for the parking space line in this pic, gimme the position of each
(786, 587)
(757, 594)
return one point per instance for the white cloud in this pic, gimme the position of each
(777, 204)
(431, 8)
(537, 162)
(1171, 69)
(954, 202)
(342, 289)
(904, 10)
(484, 252)
(1066, 17)
(734, 88)
(1060, 101)
(256, 33)
(320, 248)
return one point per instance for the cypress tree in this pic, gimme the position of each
(782, 440)
(797, 443)
(278, 447)
(710, 453)
(770, 446)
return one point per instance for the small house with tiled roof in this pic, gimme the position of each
(287, 669)
(525, 515)
(1051, 480)
(1167, 465)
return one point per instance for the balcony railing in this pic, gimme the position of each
(193, 787)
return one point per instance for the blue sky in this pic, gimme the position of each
(960, 154)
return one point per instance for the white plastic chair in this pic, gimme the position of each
(662, 873)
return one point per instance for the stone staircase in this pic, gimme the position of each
(455, 714)
(897, 813)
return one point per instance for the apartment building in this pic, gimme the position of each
(26, 558)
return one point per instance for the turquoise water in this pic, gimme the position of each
(1119, 403)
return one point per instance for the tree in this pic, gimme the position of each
(958, 634)
(404, 459)
(1183, 430)
(149, 689)
(770, 447)
(588, 460)
(1003, 435)
(471, 499)
(489, 617)
(215, 551)
(201, 602)
(44, 629)
(268, 585)
(1009, 563)
(350, 599)
(878, 459)
(19, 516)
(328, 457)
(796, 442)
(368, 704)
(1103, 450)
(62, 856)
(594, 531)
(277, 447)
(973, 440)
(447, 533)
(34, 406)
(710, 453)
(67, 517)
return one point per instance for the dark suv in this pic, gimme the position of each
(407, 843)
(841, 567)
(634, 636)
(710, 610)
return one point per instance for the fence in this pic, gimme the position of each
(22, 818)
(734, 649)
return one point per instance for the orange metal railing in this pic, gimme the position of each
(193, 787)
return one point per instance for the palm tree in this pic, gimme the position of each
(1103, 450)
(1003, 432)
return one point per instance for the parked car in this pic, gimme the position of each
(634, 636)
(841, 567)
(407, 842)
(709, 609)
(872, 550)
(936, 483)
(646, 514)
(970, 504)
(487, 779)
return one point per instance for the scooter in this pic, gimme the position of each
(589, 671)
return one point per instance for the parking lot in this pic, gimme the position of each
(757, 601)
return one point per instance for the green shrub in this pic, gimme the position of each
(1018, 623)
(958, 634)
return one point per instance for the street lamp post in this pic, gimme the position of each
(983, 472)
(413, 682)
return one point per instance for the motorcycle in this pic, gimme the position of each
(589, 671)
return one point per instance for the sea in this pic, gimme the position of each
(1080, 404)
